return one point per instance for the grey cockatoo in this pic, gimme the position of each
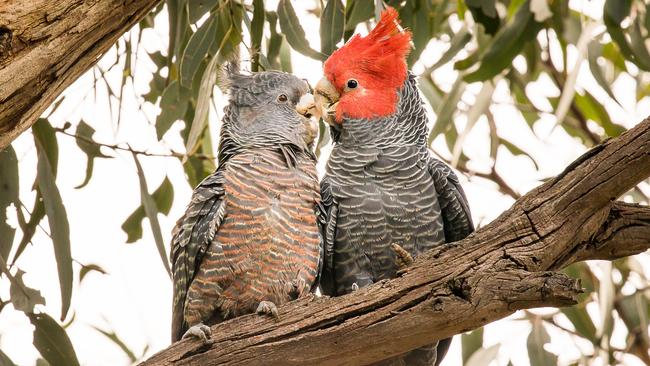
(387, 197)
(249, 239)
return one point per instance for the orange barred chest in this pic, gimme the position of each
(269, 235)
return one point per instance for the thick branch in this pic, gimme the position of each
(505, 266)
(46, 45)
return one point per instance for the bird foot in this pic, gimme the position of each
(268, 308)
(403, 259)
(355, 287)
(200, 331)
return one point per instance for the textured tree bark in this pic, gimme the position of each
(505, 266)
(46, 45)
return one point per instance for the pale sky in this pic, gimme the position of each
(133, 299)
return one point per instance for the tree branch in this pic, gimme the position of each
(503, 267)
(46, 45)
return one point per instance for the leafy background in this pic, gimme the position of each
(517, 90)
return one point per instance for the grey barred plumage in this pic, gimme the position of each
(383, 187)
(250, 236)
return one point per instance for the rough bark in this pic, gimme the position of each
(46, 45)
(505, 266)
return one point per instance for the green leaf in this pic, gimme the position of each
(507, 44)
(197, 49)
(59, 226)
(458, 42)
(202, 105)
(594, 50)
(163, 196)
(24, 298)
(416, 16)
(197, 8)
(447, 108)
(431, 92)
(323, 137)
(151, 211)
(485, 12)
(45, 134)
(173, 106)
(8, 195)
(5, 360)
(285, 57)
(483, 356)
(515, 150)
(89, 268)
(470, 343)
(51, 340)
(614, 13)
(581, 321)
(293, 31)
(274, 43)
(595, 111)
(357, 11)
(332, 25)
(257, 31)
(634, 310)
(112, 336)
(537, 338)
(84, 137)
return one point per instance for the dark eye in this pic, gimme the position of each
(352, 84)
(282, 98)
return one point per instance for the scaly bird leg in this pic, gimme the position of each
(268, 308)
(200, 331)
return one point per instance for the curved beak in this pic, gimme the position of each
(326, 97)
(307, 108)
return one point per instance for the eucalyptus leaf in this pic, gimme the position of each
(332, 26)
(293, 31)
(151, 211)
(90, 268)
(24, 298)
(471, 342)
(198, 8)
(516, 150)
(257, 31)
(581, 321)
(8, 195)
(483, 356)
(84, 140)
(51, 340)
(458, 42)
(5, 360)
(537, 338)
(507, 43)
(594, 50)
(163, 196)
(173, 105)
(113, 337)
(357, 11)
(200, 120)
(58, 222)
(197, 49)
(448, 106)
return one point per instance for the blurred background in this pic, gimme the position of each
(515, 90)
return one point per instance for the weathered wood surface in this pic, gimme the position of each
(507, 265)
(46, 45)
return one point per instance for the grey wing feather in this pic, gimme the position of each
(190, 239)
(453, 203)
(328, 232)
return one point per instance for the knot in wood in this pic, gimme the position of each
(6, 36)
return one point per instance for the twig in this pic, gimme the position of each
(171, 154)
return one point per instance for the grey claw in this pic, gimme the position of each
(200, 331)
(355, 287)
(269, 308)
